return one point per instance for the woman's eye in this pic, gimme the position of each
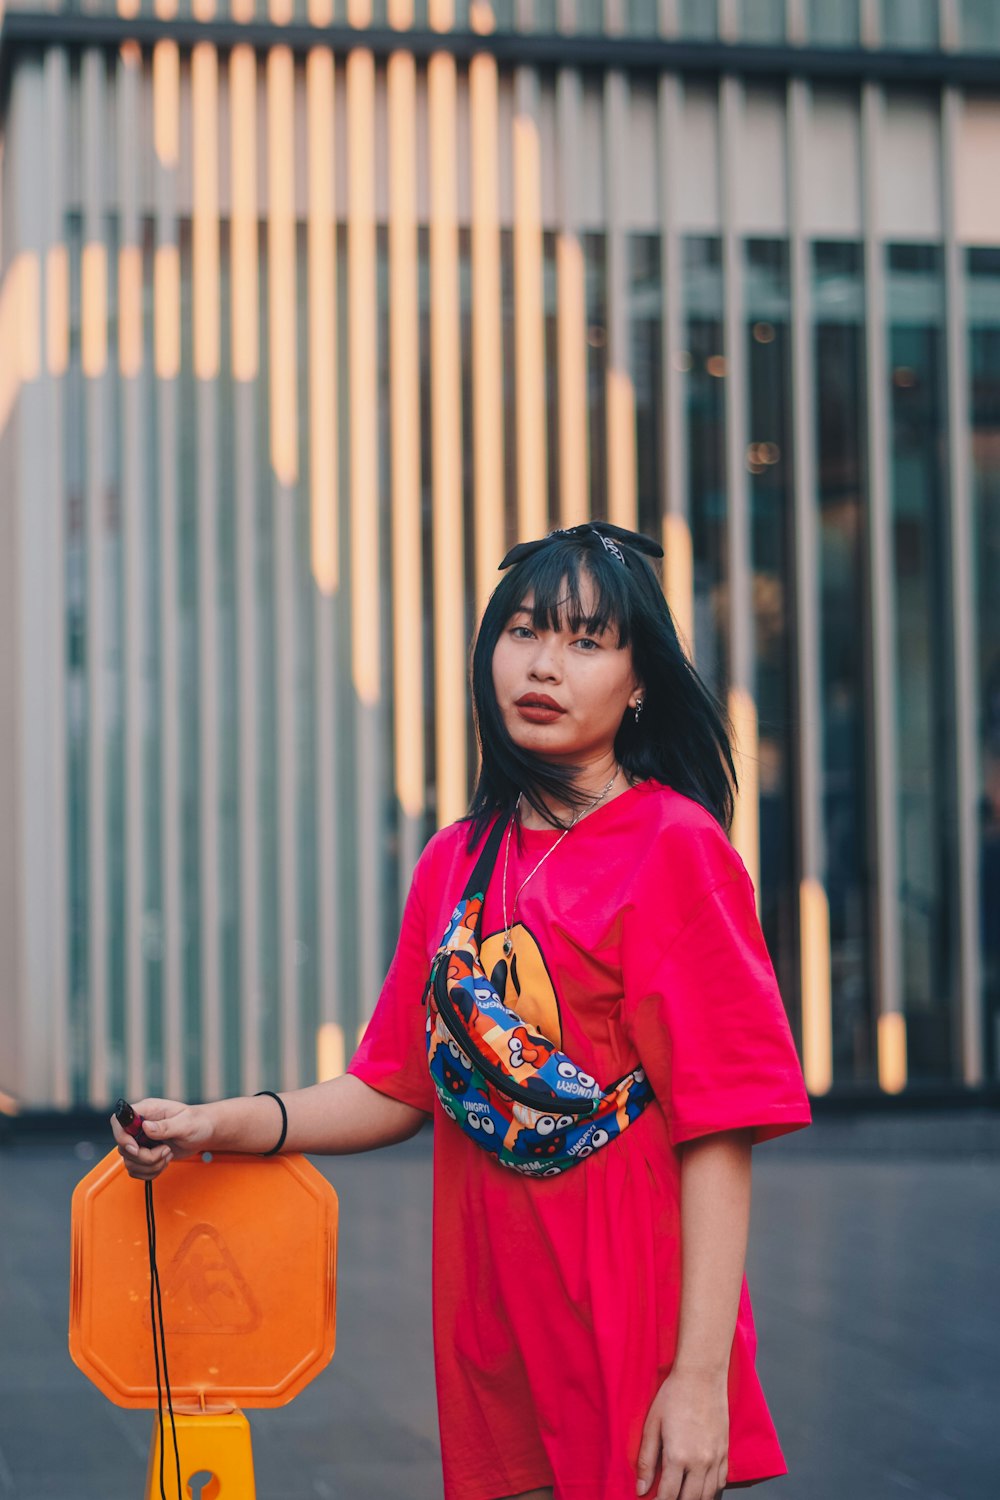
(520, 632)
(588, 643)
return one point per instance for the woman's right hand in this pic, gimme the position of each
(177, 1130)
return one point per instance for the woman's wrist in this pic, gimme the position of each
(250, 1124)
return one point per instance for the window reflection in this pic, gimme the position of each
(704, 361)
(833, 23)
(762, 20)
(646, 362)
(980, 22)
(699, 20)
(924, 720)
(769, 461)
(910, 23)
(839, 365)
(983, 301)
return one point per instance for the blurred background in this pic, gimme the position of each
(307, 312)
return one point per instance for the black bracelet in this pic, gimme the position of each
(270, 1094)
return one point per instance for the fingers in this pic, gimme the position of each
(146, 1162)
(649, 1456)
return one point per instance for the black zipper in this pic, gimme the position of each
(492, 1071)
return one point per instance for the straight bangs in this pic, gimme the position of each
(552, 577)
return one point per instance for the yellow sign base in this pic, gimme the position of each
(215, 1455)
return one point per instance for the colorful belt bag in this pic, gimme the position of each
(504, 1084)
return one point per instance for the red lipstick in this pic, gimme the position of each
(539, 708)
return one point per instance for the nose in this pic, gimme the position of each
(545, 662)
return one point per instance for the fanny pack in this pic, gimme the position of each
(505, 1085)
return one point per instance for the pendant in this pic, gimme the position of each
(508, 946)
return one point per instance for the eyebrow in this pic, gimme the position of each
(595, 629)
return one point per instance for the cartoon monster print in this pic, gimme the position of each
(525, 1047)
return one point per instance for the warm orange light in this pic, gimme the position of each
(487, 330)
(20, 330)
(166, 103)
(481, 17)
(574, 502)
(440, 14)
(167, 311)
(94, 309)
(165, 10)
(203, 10)
(281, 12)
(322, 260)
(622, 496)
(892, 1066)
(127, 9)
(243, 228)
(745, 832)
(242, 10)
(529, 331)
(205, 222)
(359, 12)
(57, 309)
(329, 1051)
(282, 373)
(130, 311)
(320, 12)
(446, 438)
(678, 577)
(363, 371)
(404, 399)
(817, 1027)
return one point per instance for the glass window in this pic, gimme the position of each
(769, 461)
(762, 20)
(704, 360)
(699, 20)
(642, 18)
(77, 699)
(833, 23)
(645, 316)
(980, 21)
(923, 671)
(983, 309)
(910, 23)
(840, 427)
(595, 272)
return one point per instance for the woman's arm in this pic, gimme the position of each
(333, 1118)
(689, 1418)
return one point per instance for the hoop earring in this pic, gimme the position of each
(638, 709)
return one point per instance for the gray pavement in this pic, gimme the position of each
(874, 1279)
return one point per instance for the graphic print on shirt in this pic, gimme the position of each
(527, 987)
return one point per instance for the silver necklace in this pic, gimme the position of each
(508, 927)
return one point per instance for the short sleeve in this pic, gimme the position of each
(392, 1055)
(707, 1019)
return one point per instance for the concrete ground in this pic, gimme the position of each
(875, 1276)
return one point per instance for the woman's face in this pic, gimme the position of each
(563, 693)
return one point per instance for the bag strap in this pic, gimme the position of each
(483, 868)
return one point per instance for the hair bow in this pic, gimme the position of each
(611, 538)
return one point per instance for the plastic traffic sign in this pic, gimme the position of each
(246, 1251)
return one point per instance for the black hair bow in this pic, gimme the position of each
(611, 538)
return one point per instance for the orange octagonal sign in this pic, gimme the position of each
(247, 1254)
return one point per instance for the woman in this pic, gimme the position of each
(574, 1360)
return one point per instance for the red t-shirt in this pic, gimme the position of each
(556, 1301)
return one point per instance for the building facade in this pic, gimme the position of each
(307, 311)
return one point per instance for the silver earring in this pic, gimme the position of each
(638, 709)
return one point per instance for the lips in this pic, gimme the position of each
(539, 701)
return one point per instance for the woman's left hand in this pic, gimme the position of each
(687, 1430)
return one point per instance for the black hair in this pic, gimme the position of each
(683, 735)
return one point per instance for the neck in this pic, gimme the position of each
(592, 779)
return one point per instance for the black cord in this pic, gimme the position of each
(160, 1343)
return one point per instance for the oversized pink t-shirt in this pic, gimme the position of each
(556, 1301)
